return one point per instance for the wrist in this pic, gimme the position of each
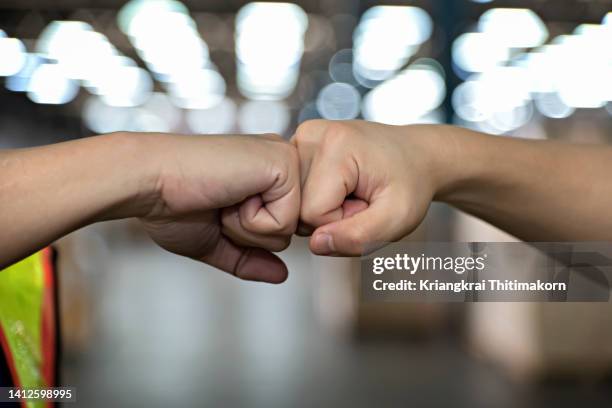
(134, 171)
(460, 163)
(433, 154)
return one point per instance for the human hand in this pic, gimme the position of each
(363, 182)
(226, 201)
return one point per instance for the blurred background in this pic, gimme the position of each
(141, 327)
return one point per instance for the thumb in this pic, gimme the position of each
(379, 223)
(252, 264)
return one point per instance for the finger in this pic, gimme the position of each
(282, 207)
(351, 236)
(331, 178)
(251, 264)
(268, 242)
(233, 228)
(276, 210)
(350, 207)
(278, 217)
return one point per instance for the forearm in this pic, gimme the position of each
(49, 191)
(535, 190)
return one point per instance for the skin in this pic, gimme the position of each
(213, 199)
(365, 183)
(229, 201)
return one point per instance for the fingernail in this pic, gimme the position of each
(323, 243)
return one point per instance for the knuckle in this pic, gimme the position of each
(308, 126)
(307, 130)
(337, 134)
(299, 137)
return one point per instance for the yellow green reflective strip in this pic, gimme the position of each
(21, 297)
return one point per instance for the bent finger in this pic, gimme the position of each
(233, 227)
(353, 235)
(251, 264)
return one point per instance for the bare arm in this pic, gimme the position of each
(535, 190)
(46, 192)
(366, 182)
(213, 198)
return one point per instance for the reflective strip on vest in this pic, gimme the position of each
(27, 326)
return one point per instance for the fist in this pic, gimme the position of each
(228, 201)
(362, 183)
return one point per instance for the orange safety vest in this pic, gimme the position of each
(27, 322)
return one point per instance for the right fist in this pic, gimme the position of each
(362, 183)
(226, 201)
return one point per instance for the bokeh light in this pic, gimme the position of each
(257, 117)
(19, 81)
(200, 89)
(341, 66)
(499, 97)
(509, 66)
(551, 105)
(177, 55)
(50, 85)
(269, 45)
(513, 27)
(219, 119)
(157, 115)
(405, 98)
(385, 39)
(102, 118)
(339, 101)
(12, 55)
(478, 52)
(160, 106)
(125, 85)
